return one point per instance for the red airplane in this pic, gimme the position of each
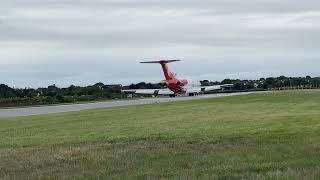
(174, 85)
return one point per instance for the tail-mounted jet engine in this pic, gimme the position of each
(183, 82)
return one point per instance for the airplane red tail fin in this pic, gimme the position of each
(167, 74)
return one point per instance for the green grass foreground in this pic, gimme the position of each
(274, 135)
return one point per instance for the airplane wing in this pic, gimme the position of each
(149, 91)
(199, 89)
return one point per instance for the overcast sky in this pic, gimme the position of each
(82, 42)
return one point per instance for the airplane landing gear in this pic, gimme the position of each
(194, 94)
(172, 95)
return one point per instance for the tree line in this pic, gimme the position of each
(99, 91)
(53, 94)
(278, 83)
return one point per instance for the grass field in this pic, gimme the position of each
(272, 135)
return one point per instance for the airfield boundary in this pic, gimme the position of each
(39, 110)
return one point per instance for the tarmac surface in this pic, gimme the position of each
(39, 110)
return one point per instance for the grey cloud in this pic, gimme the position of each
(104, 39)
(254, 5)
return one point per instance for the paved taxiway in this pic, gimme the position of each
(28, 111)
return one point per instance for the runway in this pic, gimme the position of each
(40, 110)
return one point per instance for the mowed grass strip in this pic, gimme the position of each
(274, 135)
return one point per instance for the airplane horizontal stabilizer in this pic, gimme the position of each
(161, 61)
